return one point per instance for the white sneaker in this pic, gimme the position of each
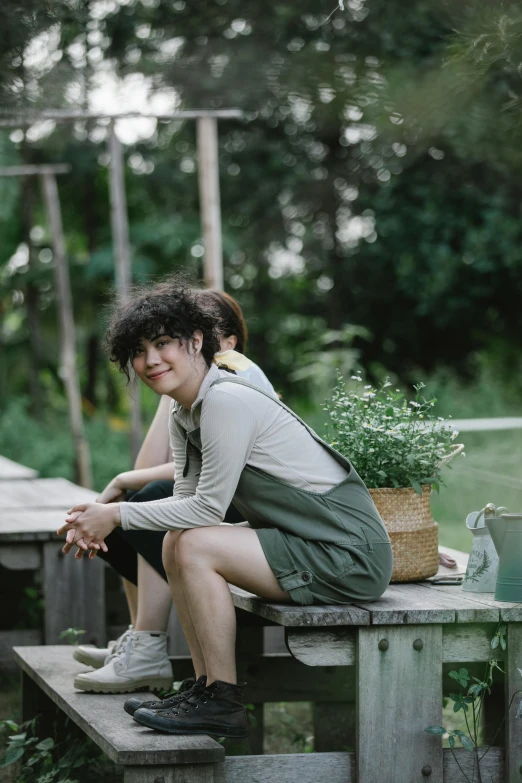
(95, 656)
(139, 661)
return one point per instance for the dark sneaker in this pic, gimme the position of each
(217, 710)
(170, 699)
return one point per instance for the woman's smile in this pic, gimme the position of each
(153, 376)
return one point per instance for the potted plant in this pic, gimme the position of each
(399, 449)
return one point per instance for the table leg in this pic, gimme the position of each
(74, 593)
(513, 680)
(399, 694)
(250, 644)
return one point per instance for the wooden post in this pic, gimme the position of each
(399, 694)
(32, 301)
(120, 226)
(122, 260)
(513, 683)
(208, 173)
(63, 290)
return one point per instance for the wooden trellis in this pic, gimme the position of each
(208, 171)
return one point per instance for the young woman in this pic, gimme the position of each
(139, 658)
(314, 536)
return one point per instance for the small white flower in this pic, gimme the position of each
(356, 378)
(415, 404)
(454, 434)
(368, 387)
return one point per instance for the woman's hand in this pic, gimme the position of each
(114, 492)
(87, 526)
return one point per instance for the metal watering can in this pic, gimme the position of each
(481, 573)
(506, 532)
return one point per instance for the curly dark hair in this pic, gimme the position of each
(170, 307)
(232, 320)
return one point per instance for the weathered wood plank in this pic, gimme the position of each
(322, 647)
(74, 593)
(399, 694)
(293, 615)
(469, 643)
(468, 606)
(103, 719)
(44, 493)
(509, 612)
(410, 604)
(13, 471)
(289, 768)
(10, 639)
(491, 766)
(340, 768)
(513, 684)
(188, 773)
(425, 603)
(21, 557)
(466, 643)
(21, 525)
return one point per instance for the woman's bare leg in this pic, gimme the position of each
(154, 599)
(170, 543)
(202, 563)
(131, 594)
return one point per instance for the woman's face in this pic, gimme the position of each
(169, 365)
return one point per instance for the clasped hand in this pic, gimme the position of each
(86, 527)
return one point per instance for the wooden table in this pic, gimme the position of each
(32, 510)
(371, 668)
(13, 471)
(396, 648)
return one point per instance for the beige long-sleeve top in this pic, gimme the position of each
(238, 425)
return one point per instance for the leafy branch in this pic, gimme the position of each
(473, 696)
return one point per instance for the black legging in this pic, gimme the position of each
(125, 545)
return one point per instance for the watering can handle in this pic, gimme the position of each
(483, 511)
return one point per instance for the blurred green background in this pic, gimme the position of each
(371, 206)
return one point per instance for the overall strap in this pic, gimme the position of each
(335, 454)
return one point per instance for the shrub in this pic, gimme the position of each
(391, 442)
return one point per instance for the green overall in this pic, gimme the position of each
(327, 548)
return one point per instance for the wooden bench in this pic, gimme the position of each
(32, 510)
(376, 683)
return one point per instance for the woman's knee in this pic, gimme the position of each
(191, 548)
(168, 553)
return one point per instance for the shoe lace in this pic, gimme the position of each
(180, 694)
(194, 700)
(123, 648)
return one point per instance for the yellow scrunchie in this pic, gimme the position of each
(233, 360)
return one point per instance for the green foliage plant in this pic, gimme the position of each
(471, 701)
(48, 761)
(72, 635)
(391, 441)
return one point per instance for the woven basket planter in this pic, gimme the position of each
(413, 533)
